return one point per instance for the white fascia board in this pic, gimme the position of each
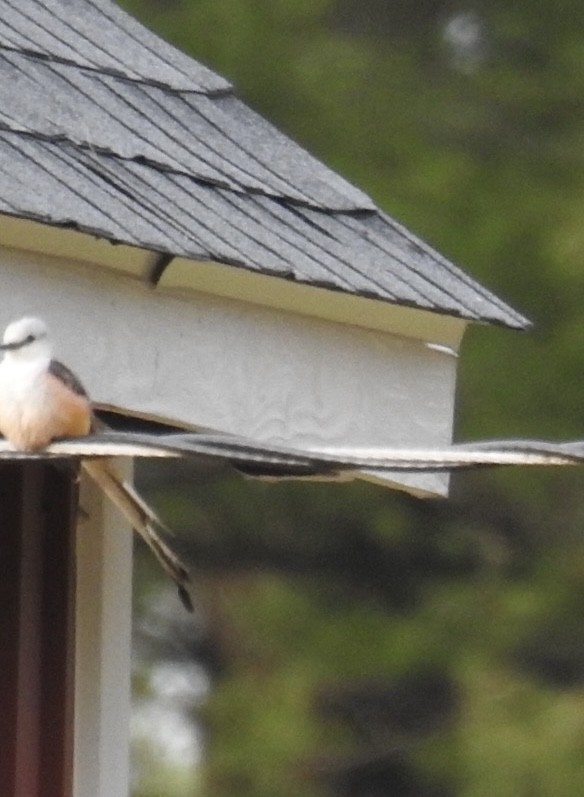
(203, 361)
(218, 279)
(66, 244)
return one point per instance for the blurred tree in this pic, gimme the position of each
(359, 642)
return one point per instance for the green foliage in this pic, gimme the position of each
(312, 591)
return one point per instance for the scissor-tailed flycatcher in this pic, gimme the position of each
(41, 400)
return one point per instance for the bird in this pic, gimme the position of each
(42, 401)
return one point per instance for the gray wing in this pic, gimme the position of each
(65, 375)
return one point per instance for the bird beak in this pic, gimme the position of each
(11, 346)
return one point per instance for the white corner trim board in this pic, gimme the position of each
(103, 634)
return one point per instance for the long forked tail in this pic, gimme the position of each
(143, 520)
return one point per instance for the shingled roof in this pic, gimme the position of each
(106, 129)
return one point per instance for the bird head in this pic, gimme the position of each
(26, 339)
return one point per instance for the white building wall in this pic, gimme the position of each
(218, 363)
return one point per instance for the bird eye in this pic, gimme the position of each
(29, 339)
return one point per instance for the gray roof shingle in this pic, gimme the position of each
(107, 129)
